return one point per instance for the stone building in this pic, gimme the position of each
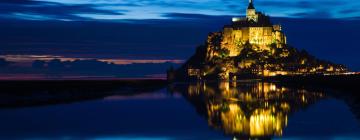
(255, 28)
(251, 46)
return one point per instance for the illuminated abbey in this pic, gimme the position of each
(255, 28)
(250, 46)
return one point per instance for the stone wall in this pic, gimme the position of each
(262, 37)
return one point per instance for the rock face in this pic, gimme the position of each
(251, 45)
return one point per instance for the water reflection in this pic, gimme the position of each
(249, 109)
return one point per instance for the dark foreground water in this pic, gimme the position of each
(186, 111)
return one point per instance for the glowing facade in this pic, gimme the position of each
(255, 28)
(253, 46)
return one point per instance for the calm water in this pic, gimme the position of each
(191, 111)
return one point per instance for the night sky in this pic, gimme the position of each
(165, 31)
(75, 10)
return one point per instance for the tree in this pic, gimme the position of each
(224, 53)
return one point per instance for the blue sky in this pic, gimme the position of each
(79, 10)
(162, 30)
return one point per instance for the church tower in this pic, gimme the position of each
(251, 12)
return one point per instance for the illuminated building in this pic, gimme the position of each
(255, 28)
(194, 73)
(251, 46)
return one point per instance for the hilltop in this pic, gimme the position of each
(250, 47)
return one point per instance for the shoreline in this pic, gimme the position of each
(81, 83)
(17, 94)
(350, 83)
(25, 93)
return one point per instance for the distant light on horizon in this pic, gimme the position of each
(28, 59)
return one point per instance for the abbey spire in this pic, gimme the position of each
(251, 4)
(251, 12)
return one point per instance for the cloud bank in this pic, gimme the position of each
(119, 10)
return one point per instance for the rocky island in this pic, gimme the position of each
(250, 47)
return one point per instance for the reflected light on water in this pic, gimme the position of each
(253, 110)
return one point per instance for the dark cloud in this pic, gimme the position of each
(299, 4)
(316, 14)
(301, 14)
(17, 2)
(192, 16)
(349, 11)
(282, 4)
(89, 9)
(50, 9)
(92, 67)
(320, 7)
(232, 6)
